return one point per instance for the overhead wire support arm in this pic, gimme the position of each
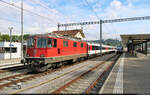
(81, 23)
(126, 19)
(106, 21)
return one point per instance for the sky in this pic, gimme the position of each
(42, 16)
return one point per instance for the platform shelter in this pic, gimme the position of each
(136, 42)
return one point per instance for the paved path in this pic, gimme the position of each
(9, 63)
(129, 75)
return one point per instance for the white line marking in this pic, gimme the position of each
(118, 88)
(106, 81)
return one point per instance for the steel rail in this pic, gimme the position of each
(57, 91)
(44, 82)
(11, 69)
(100, 77)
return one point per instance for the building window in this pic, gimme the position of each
(81, 45)
(2, 50)
(74, 44)
(65, 43)
(7, 50)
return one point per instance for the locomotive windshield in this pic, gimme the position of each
(30, 42)
(41, 43)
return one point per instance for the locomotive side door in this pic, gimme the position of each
(58, 46)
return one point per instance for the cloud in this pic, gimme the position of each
(116, 5)
(37, 22)
(67, 11)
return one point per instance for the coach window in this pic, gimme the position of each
(49, 42)
(65, 43)
(103, 48)
(74, 44)
(81, 44)
(93, 47)
(89, 47)
(96, 47)
(99, 47)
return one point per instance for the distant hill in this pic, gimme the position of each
(112, 42)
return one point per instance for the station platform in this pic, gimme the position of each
(129, 75)
(10, 63)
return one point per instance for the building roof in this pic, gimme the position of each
(70, 33)
(137, 38)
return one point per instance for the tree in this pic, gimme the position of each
(4, 37)
(15, 38)
(26, 36)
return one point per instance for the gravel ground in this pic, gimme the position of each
(11, 73)
(51, 80)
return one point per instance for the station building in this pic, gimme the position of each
(5, 50)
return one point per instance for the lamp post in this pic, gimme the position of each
(21, 29)
(10, 29)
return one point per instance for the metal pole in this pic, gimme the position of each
(21, 29)
(146, 48)
(65, 28)
(100, 37)
(58, 26)
(10, 28)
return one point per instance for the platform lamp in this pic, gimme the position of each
(10, 29)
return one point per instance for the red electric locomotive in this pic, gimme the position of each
(44, 51)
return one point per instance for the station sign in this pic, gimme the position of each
(11, 45)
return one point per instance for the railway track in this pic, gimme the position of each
(59, 76)
(11, 69)
(14, 79)
(86, 81)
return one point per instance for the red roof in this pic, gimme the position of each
(70, 33)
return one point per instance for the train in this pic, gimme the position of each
(49, 51)
(119, 49)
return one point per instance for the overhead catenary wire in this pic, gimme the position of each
(96, 14)
(12, 4)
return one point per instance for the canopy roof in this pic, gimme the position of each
(137, 38)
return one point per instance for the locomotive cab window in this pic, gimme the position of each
(81, 44)
(74, 44)
(41, 43)
(30, 42)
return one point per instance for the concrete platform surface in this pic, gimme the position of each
(9, 63)
(129, 75)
